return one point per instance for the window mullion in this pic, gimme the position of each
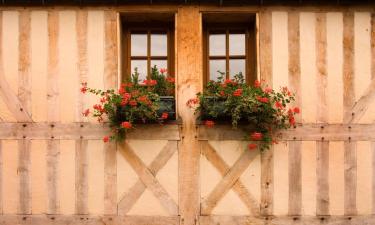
(148, 53)
(227, 53)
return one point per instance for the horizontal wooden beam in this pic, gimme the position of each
(92, 220)
(285, 220)
(303, 132)
(90, 131)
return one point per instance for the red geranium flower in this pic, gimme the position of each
(103, 100)
(105, 138)
(163, 70)
(133, 103)
(191, 102)
(121, 91)
(256, 83)
(222, 93)
(296, 110)
(256, 136)
(262, 99)
(268, 90)
(252, 146)
(164, 115)
(237, 92)
(292, 120)
(170, 79)
(83, 90)
(86, 112)
(209, 123)
(278, 105)
(126, 125)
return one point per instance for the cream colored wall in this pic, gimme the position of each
(148, 149)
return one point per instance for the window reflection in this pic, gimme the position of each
(217, 44)
(139, 44)
(236, 44)
(158, 45)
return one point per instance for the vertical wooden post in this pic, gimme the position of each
(189, 82)
(350, 158)
(373, 77)
(110, 81)
(322, 147)
(24, 94)
(265, 62)
(295, 180)
(53, 146)
(1, 151)
(81, 145)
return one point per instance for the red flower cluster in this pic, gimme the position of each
(262, 99)
(291, 113)
(192, 102)
(278, 105)
(268, 90)
(209, 123)
(163, 70)
(105, 138)
(86, 112)
(252, 146)
(257, 83)
(164, 115)
(170, 79)
(237, 92)
(256, 136)
(84, 87)
(126, 125)
(150, 82)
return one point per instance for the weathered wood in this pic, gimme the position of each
(53, 114)
(24, 95)
(92, 220)
(89, 131)
(294, 67)
(81, 177)
(1, 177)
(81, 29)
(372, 40)
(52, 158)
(238, 187)
(360, 107)
(286, 220)
(295, 178)
(227, 182)
(149, 179)
(189, 82)
(350, 159)
(373, 176)
(322, 147)
(322, 174)
(23, 171)
(110, 82)
(265, 62)
(130, 197)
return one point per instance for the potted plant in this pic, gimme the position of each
(133, 103)
(259, 107)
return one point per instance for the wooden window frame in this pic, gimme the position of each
(248, 29)
(147, 28)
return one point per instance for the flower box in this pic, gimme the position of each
(167, 104)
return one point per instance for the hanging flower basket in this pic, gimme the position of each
(259, 107)
(149, 101)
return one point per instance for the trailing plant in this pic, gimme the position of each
(259, 106)
(132, 103)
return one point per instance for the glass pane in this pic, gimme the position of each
(158, 44)
(160, 64)
(141, 65)
(215, 66)
(236, 44)
(236, 66)
(217, 44)
(138, 44)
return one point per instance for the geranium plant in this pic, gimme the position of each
(134, 102)
(259, 106)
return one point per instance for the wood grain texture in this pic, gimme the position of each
(265, 62)
(1, 178)
(294, 68)
(350, 159)
(24, 95)
(130, 197)
(360, 107)
(227, 182)
(322, 174)
(373, 176)
(81, 177)
(238, 187)
(52, 158)
(148, 179)
(110, 82)
(81, 29)
(322, 153)
(372, 40)
(189, 81)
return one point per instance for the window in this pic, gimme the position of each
(229, 48)
(145, 45)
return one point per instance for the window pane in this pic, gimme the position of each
(141, 65)
(139, 44)
(158, 44)
(217, 44)
(215, 66)
(160, 64)
(236, 66)
(236, 44)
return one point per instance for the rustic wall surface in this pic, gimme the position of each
(325, 55)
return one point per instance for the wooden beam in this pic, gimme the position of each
(86, 131)
(245, 196)
(130, 197)
(1, 178)
(322, 147)
(24, 176)
(373, 177)
(294, 67)
(52, 158)
(265, 62)
(227, 182)
(350, 159)
(189, 82)
(92, 220)
(148, 178)
(81, 177)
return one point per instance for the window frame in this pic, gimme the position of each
(148, 28)
(248, 29)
